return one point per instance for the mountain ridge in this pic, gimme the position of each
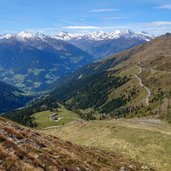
(102, 44)
(101, 35)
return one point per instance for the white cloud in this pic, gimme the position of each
(104, 10)
(89, 27)
(166, 6)
(114, 18)
(160, 23)
(81, 27)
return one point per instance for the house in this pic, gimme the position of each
(54, 117)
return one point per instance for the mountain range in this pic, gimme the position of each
(35, 62)
(32, 62)
(101, 44)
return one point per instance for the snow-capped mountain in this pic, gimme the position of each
(96, 36)
(102, 44)
(101, 35)
(24, 36)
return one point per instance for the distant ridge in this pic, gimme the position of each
(101, 35)
(102, 44)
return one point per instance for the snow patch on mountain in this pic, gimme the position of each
(24, 36)
(96, 36)
(6, 36)
(101, 35)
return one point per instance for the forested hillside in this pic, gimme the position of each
(132, 83)
(11, 97)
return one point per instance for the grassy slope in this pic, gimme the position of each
(42, 118)
(23, 149)
(147, 141)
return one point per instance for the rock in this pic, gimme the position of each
(123, 169)
(132, 166)
(146, 168)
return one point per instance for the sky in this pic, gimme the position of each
(52, 16)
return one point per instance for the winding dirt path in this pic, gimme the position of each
(142, 85)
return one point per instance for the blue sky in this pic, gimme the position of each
(51, 16)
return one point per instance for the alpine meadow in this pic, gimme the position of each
(85, 85)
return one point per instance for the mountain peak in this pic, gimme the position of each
(6, 36)
(124, 31)
(24, 35)
(27, 35)
(101, 35)
(144, 32)
(40, 35)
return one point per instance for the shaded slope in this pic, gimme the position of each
(11, 97)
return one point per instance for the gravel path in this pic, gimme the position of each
(145, 87)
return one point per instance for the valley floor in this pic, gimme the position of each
(145, 140)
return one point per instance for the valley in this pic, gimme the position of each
(113, 114)
(34, 62)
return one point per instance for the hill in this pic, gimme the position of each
(132, 83)
(32, 62)
(25, 149)
(11, 97)
(143, 140)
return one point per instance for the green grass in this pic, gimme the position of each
(144, 141)
(43, 121)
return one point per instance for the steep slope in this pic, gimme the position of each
(24, 149)
(102, 44)
(135, 82)
(34, 61)
(11, 97)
